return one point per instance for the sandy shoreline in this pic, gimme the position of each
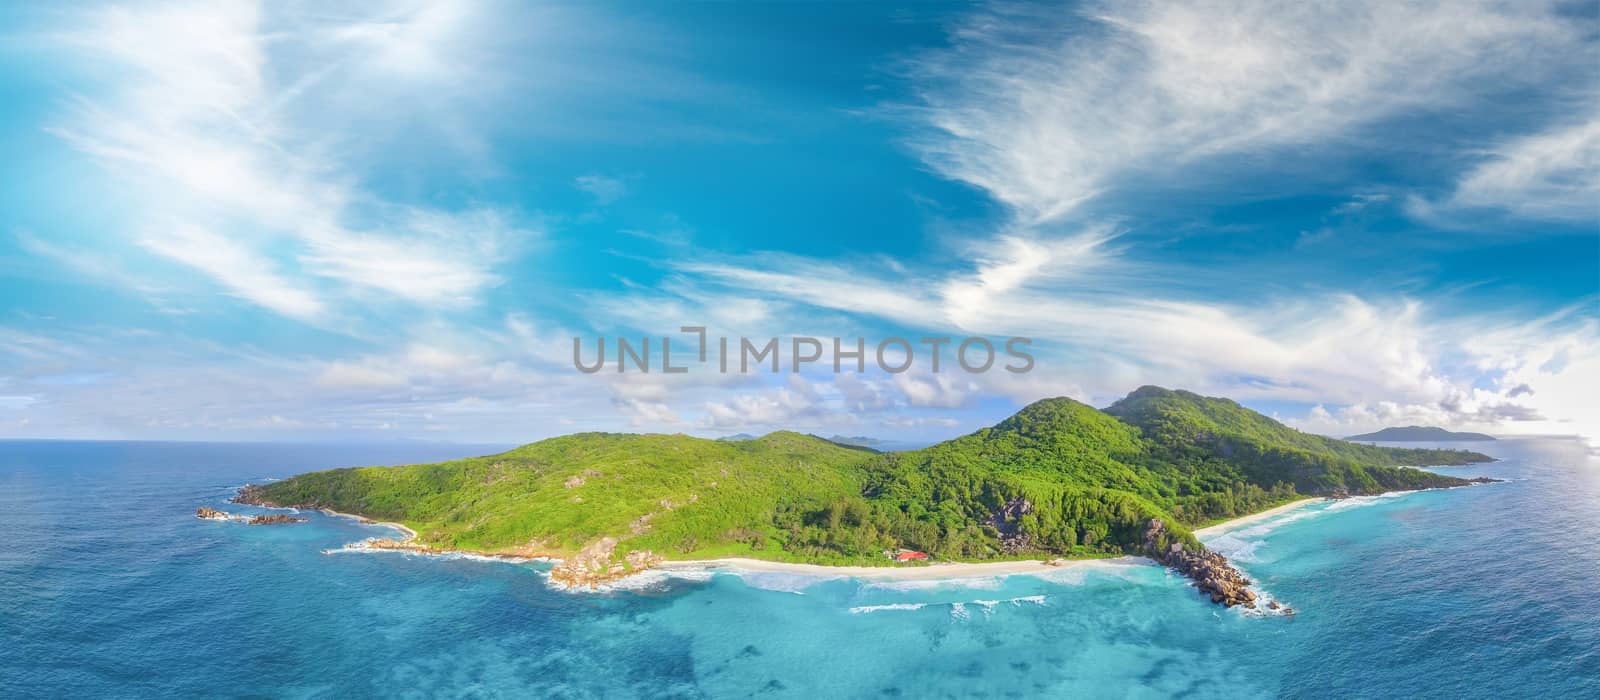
(364, 520)
(931, 572)
(955, 570)
(951, 570)
(1225, 526)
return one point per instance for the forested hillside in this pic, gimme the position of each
(1059, 478)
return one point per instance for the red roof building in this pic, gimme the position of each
(911, 556)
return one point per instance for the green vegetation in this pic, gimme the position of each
(1059, 478)
(672, 494)
(1205, 446)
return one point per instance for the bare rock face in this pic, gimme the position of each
(275, 519)
(1006, 522)
(398, 546)
(1212, 573)
(642, 559)
(593, 565)
(250, 494)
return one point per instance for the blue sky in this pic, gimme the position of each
(389, 220)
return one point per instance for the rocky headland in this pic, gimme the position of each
(204, 513)
(1212, 573)
(595, 565)
(274, 519)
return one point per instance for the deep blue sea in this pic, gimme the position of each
(109, 587)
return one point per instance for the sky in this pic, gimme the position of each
(390, 220)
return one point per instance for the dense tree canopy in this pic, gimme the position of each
(1059, 478)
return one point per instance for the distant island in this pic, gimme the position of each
(1417, 433)
(845, 440)
(857, 440)
(1058, 480)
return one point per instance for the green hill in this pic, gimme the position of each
(673, 494)
(1205, 444)
(1059, 478)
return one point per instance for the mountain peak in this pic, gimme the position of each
(1051, 410)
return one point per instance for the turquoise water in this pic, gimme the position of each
(109, 587)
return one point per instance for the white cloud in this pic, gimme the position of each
(1551, 175)
(1013, 261)
(905, 422)
(237, 268)
(864, 395)
(649, 413)
(835, 402)
(807, 281)
(472, 384)
(1044, 121)
(674, 302)
(199, 121)
(950, 389)
(351, 375)
(418, 40)
(1359, 203)
(1094, 340)
(95, 265)
(215, 118)
(432, 259)
(1005, 265)
(790, 406)
(605, 190)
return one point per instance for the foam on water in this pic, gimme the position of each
(959, 611)
(784, 582)
(862, 609)
(973, 582)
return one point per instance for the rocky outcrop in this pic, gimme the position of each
(213, 514)
(1007, 521)
(1212, 573)
(251, 495)
(1340, 494)
(396, 546)
(275, 519)
(593, 565)
(411, 546)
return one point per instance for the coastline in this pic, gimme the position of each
(738, 565)
(599, 579)
(931, 572)
(364, 520)
(1244, 520)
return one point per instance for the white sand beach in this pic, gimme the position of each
(930, 572)
(955, 570)
(409, 533)
(1225, 526)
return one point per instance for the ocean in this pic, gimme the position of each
(110, 587)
